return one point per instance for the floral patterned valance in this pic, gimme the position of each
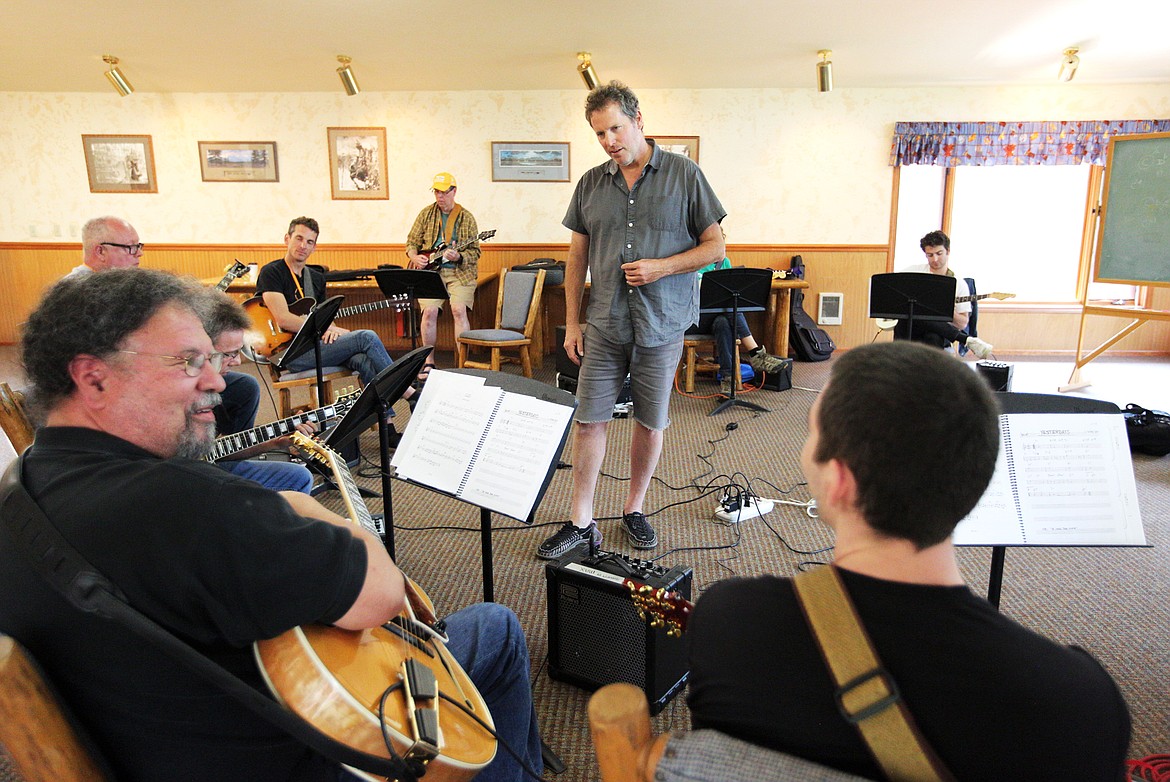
(1011, 143)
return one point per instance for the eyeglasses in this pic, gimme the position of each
(192, 364)
(232, 355)
(133, 249)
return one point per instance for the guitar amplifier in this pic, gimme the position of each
(595, 635)
(997, 374)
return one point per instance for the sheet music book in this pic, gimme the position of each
(482, 444)
(1062, 479)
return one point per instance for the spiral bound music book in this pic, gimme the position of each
(1062, 479)
(483, 444)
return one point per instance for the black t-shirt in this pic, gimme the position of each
(219, 561)
(994, 700)
(276, 276)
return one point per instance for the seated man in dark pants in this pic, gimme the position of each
(902, 443)
(718, 324)
(226, 323)
(127, 379)
(937, 247)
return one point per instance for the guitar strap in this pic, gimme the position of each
(449, 222)
(866, 695)
(80, 583)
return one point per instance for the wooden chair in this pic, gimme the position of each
(693, 362)
(516, 315)
(285, 382)
(13, 418)
(627, 750)
(35, 731)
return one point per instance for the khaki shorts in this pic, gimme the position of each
(460, 294)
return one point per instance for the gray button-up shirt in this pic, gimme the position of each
(669, 207)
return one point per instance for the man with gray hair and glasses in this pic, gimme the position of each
(107, 243)
(126, 380)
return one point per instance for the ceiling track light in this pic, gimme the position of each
(116, 77)
(1069, 64)
(585, 68)
(348, 80)
(825, 71)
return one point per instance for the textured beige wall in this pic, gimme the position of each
(791, 166)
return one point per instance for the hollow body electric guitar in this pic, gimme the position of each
(231, 444)
(888, 323)
(335, 679)
(275, 338)
(660, 607)
(435, 257)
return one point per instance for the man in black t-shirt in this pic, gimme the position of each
(127, 378)
(893, 471)
(287, 280)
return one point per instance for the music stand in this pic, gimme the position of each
(732, 291)
(912, 296)
(416, 284)
(372, 405)
(308, 337)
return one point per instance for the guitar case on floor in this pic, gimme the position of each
(808, 341)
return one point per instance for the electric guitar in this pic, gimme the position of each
(335, 679)
(232, 271)
(888, 323)
(231, 444)
(435, 257)
(659, 607)
(274, 337)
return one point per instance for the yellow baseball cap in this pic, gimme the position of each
(443, 182)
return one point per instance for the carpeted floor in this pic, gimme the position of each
(1111, 601)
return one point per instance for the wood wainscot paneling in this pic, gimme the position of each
(27, 269)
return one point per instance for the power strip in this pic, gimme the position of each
(753, 506)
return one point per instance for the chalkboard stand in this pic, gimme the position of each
(1132, 245)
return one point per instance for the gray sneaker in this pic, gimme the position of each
(568, 538)
(980, 348)
(762, 362)
(639, 531)
(725, 387)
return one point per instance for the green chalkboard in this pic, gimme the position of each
(1133, 244)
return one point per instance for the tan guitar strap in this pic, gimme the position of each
(448, 224)
(866, 695)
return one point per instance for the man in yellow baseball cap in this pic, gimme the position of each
(443, 237)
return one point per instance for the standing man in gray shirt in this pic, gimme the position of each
(642, 224)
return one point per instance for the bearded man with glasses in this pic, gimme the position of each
(126, 380)
(107, 243)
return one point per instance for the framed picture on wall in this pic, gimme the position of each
(530, 161)
(119, 164)
(682, 145)
(357, 164)
(238, 161)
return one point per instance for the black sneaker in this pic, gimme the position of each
(639, 531)
(568, 538)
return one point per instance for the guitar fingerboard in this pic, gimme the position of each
(234, 443)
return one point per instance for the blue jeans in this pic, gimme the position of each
(275, 475)
(241, 400)
(718, 324)
(487, 640)
(361, 351)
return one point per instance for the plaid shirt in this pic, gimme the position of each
(427, 230)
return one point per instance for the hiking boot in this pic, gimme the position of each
(639, 531)
(977, 346)
(762, 362)
(568, 538)
(725, 387)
